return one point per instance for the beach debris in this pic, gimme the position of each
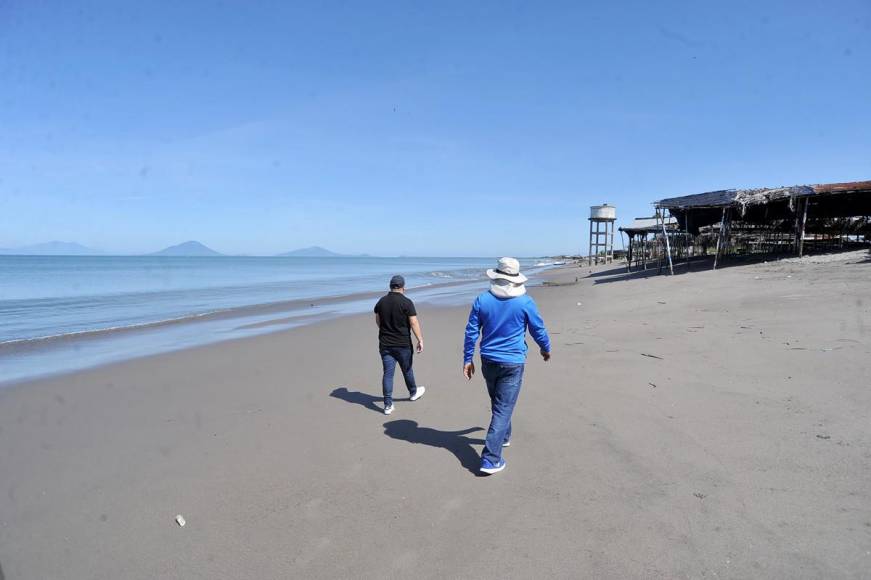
(700, 495)
(660, 302)
(652, 385)
(179, 519)
(651, 356)
(824, 436)
(580, 303)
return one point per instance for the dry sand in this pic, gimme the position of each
(708, 425)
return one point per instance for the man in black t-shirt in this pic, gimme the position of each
(396, 318)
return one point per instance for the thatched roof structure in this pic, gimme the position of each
(768, 205)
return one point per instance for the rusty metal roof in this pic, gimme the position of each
(848, 187)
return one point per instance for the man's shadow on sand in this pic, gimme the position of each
(454, 441)
(363, 399)
(358, 398)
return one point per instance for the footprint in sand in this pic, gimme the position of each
(449, 507)
(312, 510)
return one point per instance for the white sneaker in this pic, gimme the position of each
(418, 393)
(506, 444)
(388, 409)
(490, 469)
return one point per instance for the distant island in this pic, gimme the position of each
(53, 248)
(319, 252)
(192, 248)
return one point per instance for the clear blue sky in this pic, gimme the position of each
(423, 128)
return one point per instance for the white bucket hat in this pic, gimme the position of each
(507, 269)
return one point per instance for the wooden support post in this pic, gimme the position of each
(628, 253)
(644, 251)
(797, 226)
(687, 241)
(667, 244)
(658, 253)
(720, 238)
(801, 229)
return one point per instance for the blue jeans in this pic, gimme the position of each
(390, 355)
(503, 385)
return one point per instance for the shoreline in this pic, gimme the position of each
(79, 351)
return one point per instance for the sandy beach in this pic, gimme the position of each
(705, 425)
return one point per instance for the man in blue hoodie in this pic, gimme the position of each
(501, 317)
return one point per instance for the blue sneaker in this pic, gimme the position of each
(490, 468)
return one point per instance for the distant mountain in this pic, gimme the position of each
(54, 248)
(319, 252)
(191, 248)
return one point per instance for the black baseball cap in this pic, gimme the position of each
(397, 282)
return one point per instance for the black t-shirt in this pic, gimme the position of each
(394, 310)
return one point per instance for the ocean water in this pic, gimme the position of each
(61, 313)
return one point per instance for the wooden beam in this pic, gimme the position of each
(720, 238)
(667, 244)
(801, 230)
(644, 251)
(627, 253)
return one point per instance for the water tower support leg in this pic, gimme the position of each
(590, 247)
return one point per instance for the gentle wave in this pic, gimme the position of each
(110, 329)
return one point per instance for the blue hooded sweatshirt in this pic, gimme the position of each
(502, 324)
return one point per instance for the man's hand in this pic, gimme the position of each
(545, 355)
(468, 370)
(418, 333)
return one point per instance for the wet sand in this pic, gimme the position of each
(706, 425)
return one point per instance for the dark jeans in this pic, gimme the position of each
(390, 356)
(503, 385)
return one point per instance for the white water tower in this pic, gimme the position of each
(602, 218)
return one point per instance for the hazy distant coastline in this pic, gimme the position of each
(190, 248)
(53, 248)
